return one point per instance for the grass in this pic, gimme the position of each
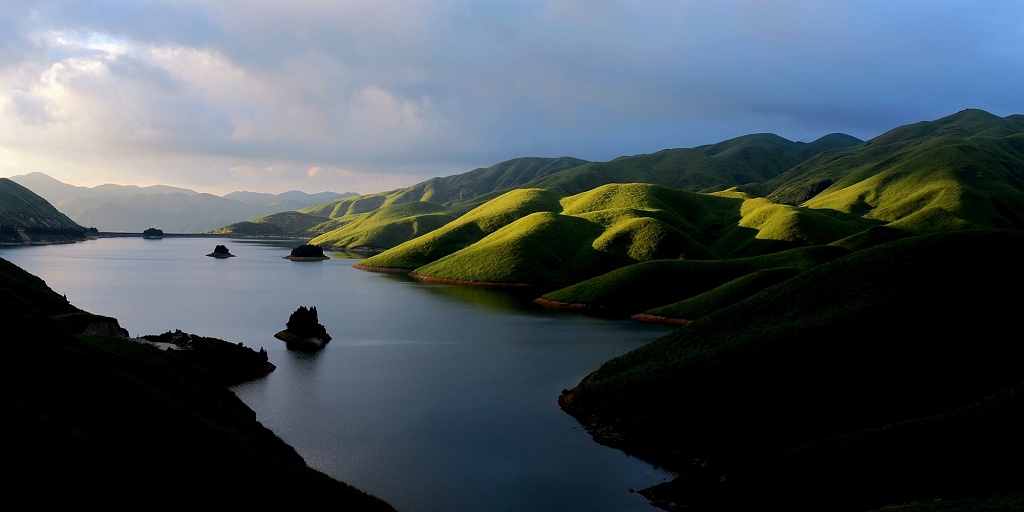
(943, 183)
(277, 224)
(651, 284)
(387, 226)
(618, 225)
(521, 253)
(815, 174)
(466, 230)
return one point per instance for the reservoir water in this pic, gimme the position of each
(431, 397)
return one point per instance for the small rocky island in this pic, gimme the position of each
(307, 253)
(304, 331)
(221, 252)
(153, 233)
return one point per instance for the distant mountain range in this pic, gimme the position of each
(129, 208)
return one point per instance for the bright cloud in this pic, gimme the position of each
(362, 95)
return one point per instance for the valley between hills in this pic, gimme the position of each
(847, 306)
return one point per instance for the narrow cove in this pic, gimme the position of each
(432, 397)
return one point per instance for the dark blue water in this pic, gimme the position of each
(431, 397)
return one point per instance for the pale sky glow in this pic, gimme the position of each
(367, 96)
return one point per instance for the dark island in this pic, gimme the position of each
(304, 330)
(221, 252)
(307, 253)
(152, 233)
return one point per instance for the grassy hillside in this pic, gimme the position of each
(24, 216)
(494, 180)
(117, 424)
(964, 170)
(884, 376)
(744, 160)
(656, 283)
(748, 159)
(529, 236)
(466, 229)
(944, 183)
(283, 223)
(387, 226)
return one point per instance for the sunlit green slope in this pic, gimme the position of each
(387, 226)
(283, 223)
(751, 159)
(944, 183)
(964, 170)
(530, 236)
(466, 230)
(459, 193)
(888, 374)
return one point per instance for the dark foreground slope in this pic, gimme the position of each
(25, 218)
(107, 422)
(887, 376)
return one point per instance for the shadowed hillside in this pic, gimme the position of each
(882, 377)
(25, 217)
(121, 425)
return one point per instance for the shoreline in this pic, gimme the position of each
(658, 319)
(572, 306)
(481, 284)
(383, 270)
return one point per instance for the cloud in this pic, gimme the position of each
(372, 93)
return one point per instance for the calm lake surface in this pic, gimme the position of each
(431, 397)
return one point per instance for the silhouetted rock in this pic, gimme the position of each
(221, 252)
(307, 253)
(304, 330)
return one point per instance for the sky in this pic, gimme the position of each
(367, 96)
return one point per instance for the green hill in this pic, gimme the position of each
(121, 425)
(944, 183)
(531, 237)
(466, 229)
(458, 194)
(885, 376)
(386, 226)
(748, 159)
(744, 160)
(964, 170)
(656, 283)
(526, 237)
(26, 217)
(283, 223)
